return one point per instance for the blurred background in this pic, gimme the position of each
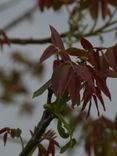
(20, 71)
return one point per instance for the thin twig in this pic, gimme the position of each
(26, 41)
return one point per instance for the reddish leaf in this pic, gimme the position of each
(89, 109)
(50, 134)
(93, 59)
(102, 85)
(44, 3)
(111, 73)
(42, 151)
(74, 88)
(56, 77)
(48, 52)
(56, 63)
(60, 78)
(4, 39)
(104, 8)
(5, 138)
(86, 44)
(103, 65)
(94, 9)
(51, 148)
(85, 74)
(98, 94)
(64, 79)
(86, 97)
(96, 104)
(5, 129)
(100, 81)
(64, 56)
(56, 39)
(111, 57)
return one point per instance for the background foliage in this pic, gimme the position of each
(79, 77)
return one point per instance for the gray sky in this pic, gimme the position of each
(38, 27)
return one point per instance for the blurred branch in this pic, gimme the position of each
(104, 29)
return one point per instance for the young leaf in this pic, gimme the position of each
(70, 144)
(56, 39)
(86, 44)
(84, 74)
(48, 52)
(42, 89)
(61, 130)
(3, 130)
(64, 79)
(5, 138)
(51, 147)
(111, 57)
(96, 104)
(102, 85)
(42, 151)
(74, 88)
(76, 52)
(99, 96)
(64, 56)
(60, 78)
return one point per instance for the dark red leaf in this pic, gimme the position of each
(42, 151)
(48, 52)
(96, 104)
(98, 94)
(111, 57)
(93, 59)
(50, 134)
(89, 109)
(60, 78)
(100, 81)
(5, 129)
(94, 9)
(56, 63)
(87, 95)
(86, 44)
(56, 39)
(44, 3)
(64, 79)
(102, 85)
(5, 138)
(4, 39)
(56, 77)
(110, 73)
(51, 147)
(74, 88)
(64, 56)
(85, 74)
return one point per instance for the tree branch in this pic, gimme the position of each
(47, 117)
(26, 41)
(40, 129)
